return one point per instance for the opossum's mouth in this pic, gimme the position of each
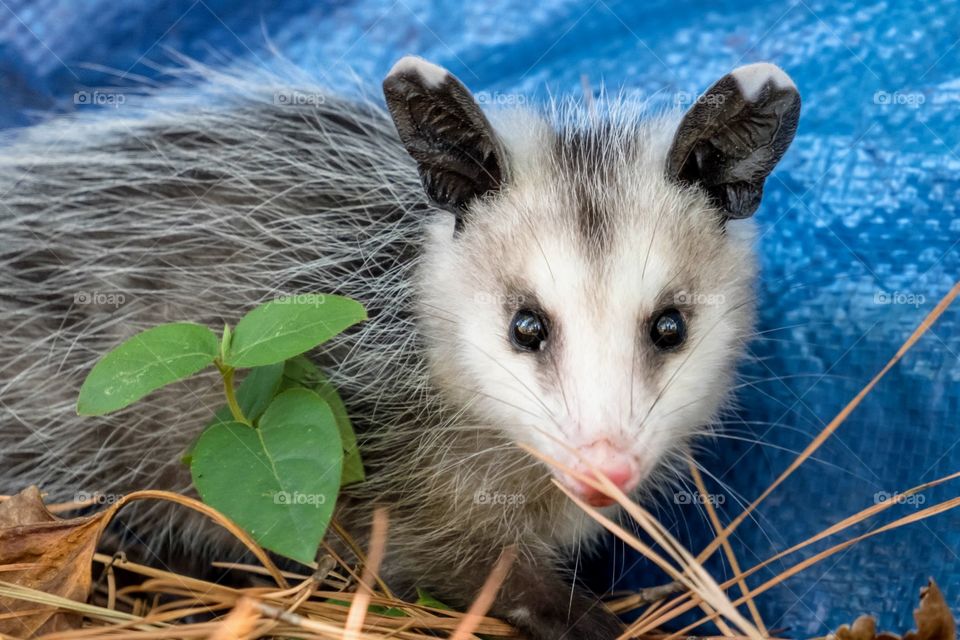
(606, 457)
(594, 497)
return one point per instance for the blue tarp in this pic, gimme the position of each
(860, 228)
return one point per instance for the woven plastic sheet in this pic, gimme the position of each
(860, 225)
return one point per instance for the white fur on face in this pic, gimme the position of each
(600, 377)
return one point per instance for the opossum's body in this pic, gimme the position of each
(112, 225)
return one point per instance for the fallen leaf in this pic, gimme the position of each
(934, 618)
(43, 552)
(863, 628)
(239, 623)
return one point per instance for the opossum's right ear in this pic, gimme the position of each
(444, 130)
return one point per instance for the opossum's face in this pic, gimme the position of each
(593, 290)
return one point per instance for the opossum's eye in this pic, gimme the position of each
(668, 330)
(528, 330)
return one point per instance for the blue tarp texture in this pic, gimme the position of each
(860, 230)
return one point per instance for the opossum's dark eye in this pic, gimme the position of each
(528, 330)
(669, 330)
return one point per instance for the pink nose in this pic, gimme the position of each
(613, 462)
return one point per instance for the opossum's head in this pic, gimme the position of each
(592, 290)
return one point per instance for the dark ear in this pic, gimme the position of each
(733, 137)
(443, 129)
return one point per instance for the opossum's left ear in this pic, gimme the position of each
(444, 130)
(733, 137)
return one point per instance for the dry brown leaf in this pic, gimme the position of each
(933, 616)
(43, 552)
(863, 628)
(240, 622)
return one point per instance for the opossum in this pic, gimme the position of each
(574, 278)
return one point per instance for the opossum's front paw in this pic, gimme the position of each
(596, 624)
(604, 625)
(581, 623)
(538, 602)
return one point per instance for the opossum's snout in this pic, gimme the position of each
(607, 458)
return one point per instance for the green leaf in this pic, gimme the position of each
(284, 328)
(278, 481)
(300, 371)
(144, 363)
(426, 600)
(393, 612)
(254, 394)
(225, 341)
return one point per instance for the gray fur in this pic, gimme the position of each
(199, 214)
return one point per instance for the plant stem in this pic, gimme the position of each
(227, 374)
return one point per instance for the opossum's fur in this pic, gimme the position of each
(199, 209)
